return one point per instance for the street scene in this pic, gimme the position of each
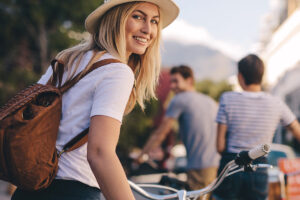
(147, 99)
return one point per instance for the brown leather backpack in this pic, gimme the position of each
(28, 130)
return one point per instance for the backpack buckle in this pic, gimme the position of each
(59, 153)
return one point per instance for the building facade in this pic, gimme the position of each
(282, 58)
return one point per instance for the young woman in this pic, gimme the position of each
(130, 32)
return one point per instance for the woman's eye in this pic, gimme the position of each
(137, 17)
(154, 21)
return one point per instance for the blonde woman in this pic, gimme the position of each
(130, 32)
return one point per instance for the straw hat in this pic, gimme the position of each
(168, 9)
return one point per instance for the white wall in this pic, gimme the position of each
(283, 52)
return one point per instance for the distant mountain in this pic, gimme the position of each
(205, 61)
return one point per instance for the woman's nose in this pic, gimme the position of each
(146, 29)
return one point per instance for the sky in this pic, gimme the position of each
(232, 26)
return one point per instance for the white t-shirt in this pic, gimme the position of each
(104, 91)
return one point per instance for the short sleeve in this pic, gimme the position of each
(175, 108)
(45, 78)
(222, 115)
(286, 116)
(112, 93)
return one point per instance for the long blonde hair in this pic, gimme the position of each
(111, 38)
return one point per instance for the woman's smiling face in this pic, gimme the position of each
(141, 28)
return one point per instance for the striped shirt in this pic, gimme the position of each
(251, 118)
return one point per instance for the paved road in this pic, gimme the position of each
(3, 193)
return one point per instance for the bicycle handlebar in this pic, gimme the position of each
(259, 151)
(246, 157)
(243, 159)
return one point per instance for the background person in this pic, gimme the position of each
(196, 114)
(130, 32)
(245, 120)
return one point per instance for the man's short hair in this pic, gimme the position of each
(251, 68)
(183, 70)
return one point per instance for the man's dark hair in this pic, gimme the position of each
(183, 70)
(251, 68)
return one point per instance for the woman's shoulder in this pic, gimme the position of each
(115, 67)
(116, 73)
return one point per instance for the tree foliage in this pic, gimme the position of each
(137, 127)
(32, 33)
(213, 89)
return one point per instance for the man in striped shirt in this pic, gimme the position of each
(245, 120)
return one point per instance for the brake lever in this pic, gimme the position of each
(253, 168)
(264, 166)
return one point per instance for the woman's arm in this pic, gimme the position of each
(103, 138)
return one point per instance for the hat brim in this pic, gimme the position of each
(168, 10)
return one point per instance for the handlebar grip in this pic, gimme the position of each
(259, 151)
(246, 157)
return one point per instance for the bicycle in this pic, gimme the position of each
(241, 163)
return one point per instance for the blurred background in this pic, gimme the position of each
(210, 36)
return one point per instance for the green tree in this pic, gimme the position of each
(32, 33)
(137, 127)
(213, 89)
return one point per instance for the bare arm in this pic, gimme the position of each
(294, 127)
(221, 137)
(103, 137)
(158, 136)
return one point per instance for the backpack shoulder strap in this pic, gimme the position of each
(82, 137)
(58, 70)
(75, 142)
(79, 76)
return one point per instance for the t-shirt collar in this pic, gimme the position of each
(252, 94)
